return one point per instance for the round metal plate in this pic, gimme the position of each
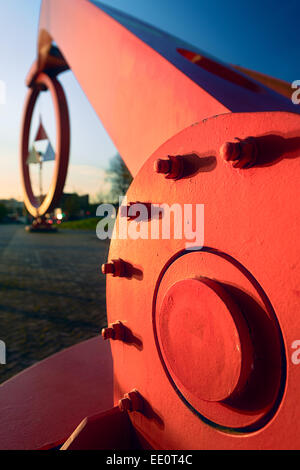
(204, 340)
(259, 391)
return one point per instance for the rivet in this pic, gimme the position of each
(241, 153)
(131, 401)
(116, 267)
(172, 167)
(114, 331)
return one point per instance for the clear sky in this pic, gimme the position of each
(260, 35)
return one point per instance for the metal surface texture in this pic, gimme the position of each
(201, 339)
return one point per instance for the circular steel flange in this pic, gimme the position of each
(41, 83)
(204, 340)
(250, 340)
(251, 247)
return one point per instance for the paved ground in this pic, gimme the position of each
(52, 293)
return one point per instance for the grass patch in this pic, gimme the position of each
(83, 224)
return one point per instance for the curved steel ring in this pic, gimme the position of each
(41, 83)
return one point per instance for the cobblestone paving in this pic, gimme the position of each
(52, 293)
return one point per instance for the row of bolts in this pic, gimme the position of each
(241, 154)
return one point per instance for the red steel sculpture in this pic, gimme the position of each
(201, 350)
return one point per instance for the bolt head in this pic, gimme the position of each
(230, 151)
(162, 166)
(241, 154)
(119, 331)
(107, 268)
(125, 404)
(172, 168)
(108, 333)
(136, 400)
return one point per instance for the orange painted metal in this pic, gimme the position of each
(141, 82)
(251, 249)
(204, 341)
(41, 82)
(41, 406)
(178, 117)
(111, 429)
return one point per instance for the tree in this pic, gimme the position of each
(71, 205)
(119, 177)
(102, 197)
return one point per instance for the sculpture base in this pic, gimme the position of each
(39, 225)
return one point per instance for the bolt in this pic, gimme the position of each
(114, 331)
(116, 267)
(230, 151)
(172, 168)
(242, 153)
(125, 404)
(162, 166)
(108, 333)
(108, 268)
(131, 401)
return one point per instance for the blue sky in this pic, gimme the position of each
(261, 35)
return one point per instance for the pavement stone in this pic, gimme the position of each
(52, 293)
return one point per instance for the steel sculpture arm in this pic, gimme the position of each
(144, 84)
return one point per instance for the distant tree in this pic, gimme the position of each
(72, 205)
(119, 177)
(3, 212)
(102, 197)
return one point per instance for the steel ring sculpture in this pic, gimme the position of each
(41, 83)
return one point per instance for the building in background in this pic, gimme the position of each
(11, 210)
